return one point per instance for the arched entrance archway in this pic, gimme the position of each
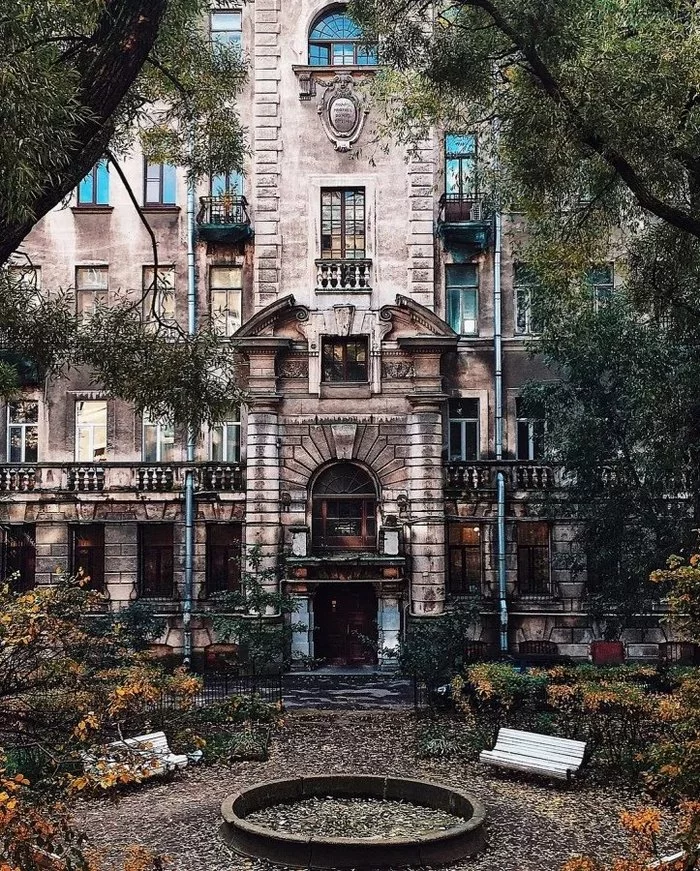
(345, 618)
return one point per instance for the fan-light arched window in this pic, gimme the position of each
(344, 509)
(336, 41)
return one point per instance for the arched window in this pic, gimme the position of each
(336, 41)
(344, 508)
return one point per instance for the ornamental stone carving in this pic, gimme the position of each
(343, 112)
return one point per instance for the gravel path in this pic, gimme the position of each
(532, 825)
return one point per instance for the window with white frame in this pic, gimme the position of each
(23, 431)
(527, 322)
(225, 444)
(159, 296)
(463, 430)
(225, 284)
(90, 430)
(462, 294)
(601, 281)
(530, 433)
(159, 184)
(225, 27)
(91, 287)
(158, 440)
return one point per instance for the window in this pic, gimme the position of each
(343, 223)
(335, 40)
(225, 283)
(28, 277)
(158, 441)
(524, 288)
(533, 558)
(464, 430)
(460, 166)
(162, 307)
(344, 360)
(530, 434)
(156, 570)
(223, 558)
(226, 440)
(462, 292)
(23, 431)
(93, 190)
(344, 509)
(19, 556)
(159, 185)
(225, 27)
(601, 282)
(465, 561)
(227, 184)
(91, 286)
(91, 431)
(88, 554)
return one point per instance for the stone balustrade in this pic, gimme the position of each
(343, 275)
(481, 475)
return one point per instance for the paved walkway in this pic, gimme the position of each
(346, 690)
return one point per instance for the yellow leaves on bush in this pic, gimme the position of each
(645, 822)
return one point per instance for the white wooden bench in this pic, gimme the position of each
(539, 754)
(143, 756)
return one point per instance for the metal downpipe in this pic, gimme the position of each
(498, 439)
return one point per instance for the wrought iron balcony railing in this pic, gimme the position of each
(459, 208)
(223, 211)
(343, 274)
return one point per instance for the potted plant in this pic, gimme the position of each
(609, 650)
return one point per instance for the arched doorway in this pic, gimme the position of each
(344, 510)
(345, 624)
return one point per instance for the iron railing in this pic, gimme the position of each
(223, 211)
(459, 208)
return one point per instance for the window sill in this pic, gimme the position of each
(163, 209)
(305, 69)
(85, 209)
(345, 390)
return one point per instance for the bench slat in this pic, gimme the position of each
(538, 760)
(536, 737)
(559, 773)
(535, 753)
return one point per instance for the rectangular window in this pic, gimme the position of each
(226, 184)
(159, 184)
(600, 280)
(226, 440)
(159, 301)
(530, 434)
(524, 288)
(23, 431)
(465, 559)
(343, 224)
(533, 559)
(28, 277)
(93, 190)
(88, 555)
(464, 430)
(344, 360)
(460, 166)
(156, 564)
(462, 292)
(225, 283)
(91, 430)
(91, 287)
(226, 27)
(19, 556)
(223, 558)
(158, 441)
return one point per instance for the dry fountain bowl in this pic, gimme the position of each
(315, 851)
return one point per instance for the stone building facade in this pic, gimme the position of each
(358, 285)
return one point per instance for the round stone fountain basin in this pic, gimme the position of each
(318, 851)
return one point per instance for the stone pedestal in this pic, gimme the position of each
(389, 630)
(303, 638)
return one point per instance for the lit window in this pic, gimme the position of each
(335, 40)
(223, 558)
(601, 282)
(93, 190)
(159, 302)
(343, 223)
(464, 430)
(158, 441)
(156, 564)
(344, 510)
(23, 431)
(226, 27)
(91, 430)
(533, 558)
(88, 554)
(524, 289)
(159, 184)
(530, 434)
(344, 360)
(462, 291)
(460, 165)
(91, 286)
(225, 283)
(226, 440)
(465, 559)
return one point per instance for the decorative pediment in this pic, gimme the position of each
(411, 319)
(279, 319)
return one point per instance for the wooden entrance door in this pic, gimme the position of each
(344, 615)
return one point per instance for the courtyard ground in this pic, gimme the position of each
(532, 825)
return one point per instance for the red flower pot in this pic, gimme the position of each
(607, 652)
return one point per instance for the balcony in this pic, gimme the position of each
(464, 222)
(224, 220)
(519, 476)
(344, 275)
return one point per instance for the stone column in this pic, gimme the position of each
(426, 506)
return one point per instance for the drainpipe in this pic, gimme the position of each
(191, 438)
(498, 401)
